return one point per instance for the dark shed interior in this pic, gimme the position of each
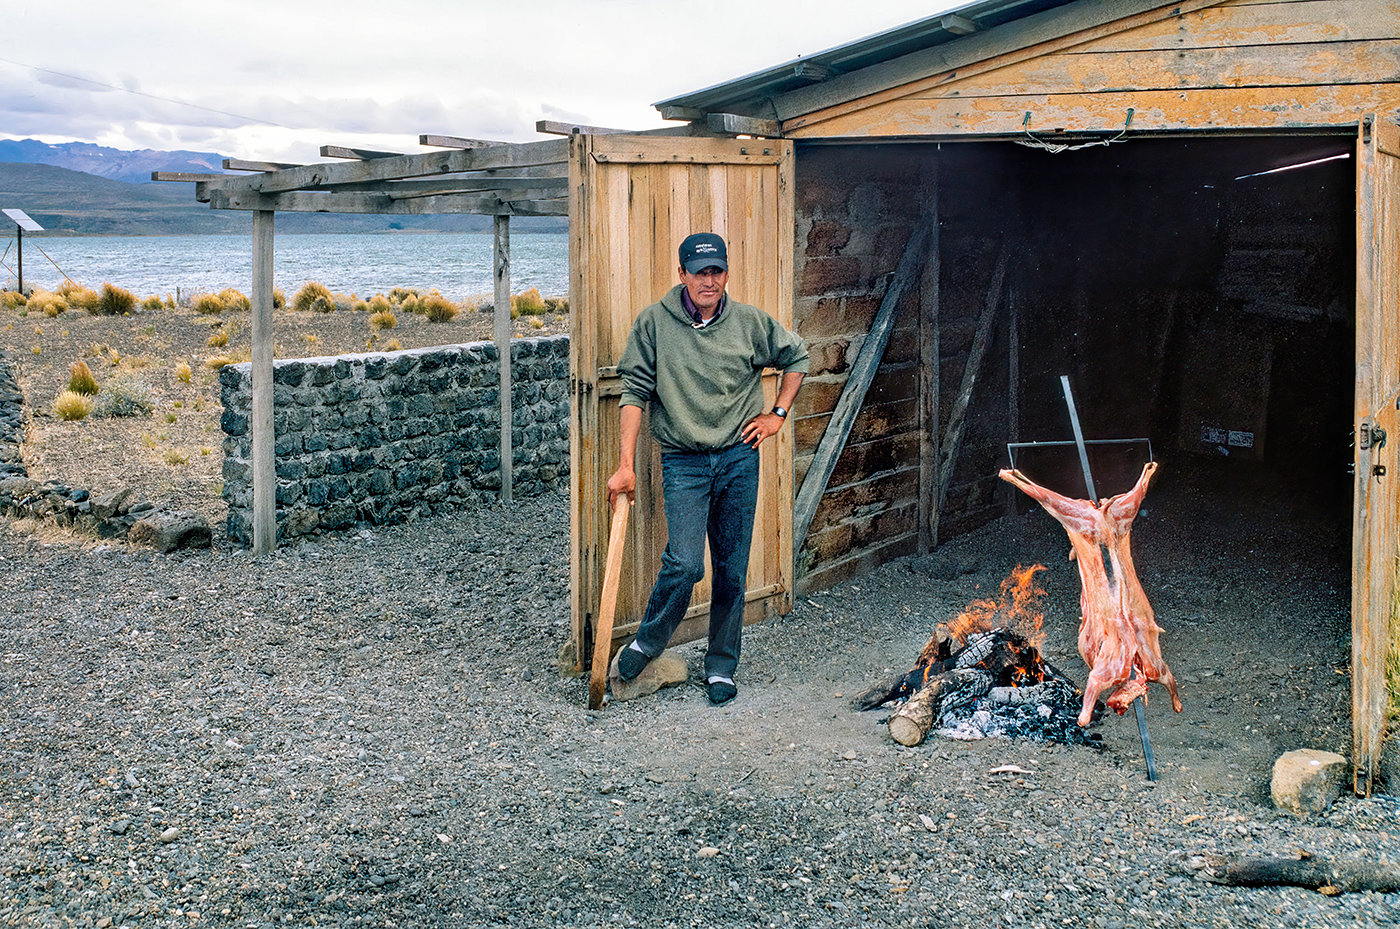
(1192, 300)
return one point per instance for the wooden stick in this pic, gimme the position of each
(1326, 875)
(602, 634)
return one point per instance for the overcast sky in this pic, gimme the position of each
(276, 80)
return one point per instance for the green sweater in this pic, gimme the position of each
(703, 384)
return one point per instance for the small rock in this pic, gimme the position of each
(1307, 780)
(170, 835)
(168, 531)
(709, 851)
(665, 670)
(119, 827)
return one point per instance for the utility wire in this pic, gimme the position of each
(142, 93)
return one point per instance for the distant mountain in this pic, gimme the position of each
(113, 163)
(70, 202)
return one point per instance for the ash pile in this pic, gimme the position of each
(983, 676)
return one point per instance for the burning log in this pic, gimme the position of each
(914, 718)
(1118, 633)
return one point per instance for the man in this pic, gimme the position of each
(697, 358)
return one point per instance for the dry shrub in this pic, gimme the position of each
(379, 303)
(50, 304)
(152, 303)
(78, 296)
(400, 295)
(360, 306)
(175, 457)
(384, 319)
(113, 301)
(183, 372)
(235, 300)
(12, 299)
(279, 298)
(393, 345)
(322, 305)
(105, 352)
(80, 379)
(311, 292)
(536, 322)
(124, 396)
(71, 406)
(558, 305)
(310, 338)
(219, 339)
(207, 303)
(437, 308)
(527, 303)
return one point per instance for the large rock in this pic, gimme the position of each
(167, 531)
(1307, 780)
(665, 670)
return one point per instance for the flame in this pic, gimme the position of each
(1015, 608)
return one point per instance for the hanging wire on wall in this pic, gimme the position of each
(1033, 141)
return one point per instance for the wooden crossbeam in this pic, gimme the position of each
(404, 192)
(185, 176)
(238, 164)
(553, 152)
(547, 186)
(300, 201)
(958, 25)
(686, 113)
(843, 417)
(810, 71)
(553, 127)
(452, 141)
(356, 154)
(744, 125)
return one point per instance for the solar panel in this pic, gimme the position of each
(22, 219)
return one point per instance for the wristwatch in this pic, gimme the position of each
(780, 412)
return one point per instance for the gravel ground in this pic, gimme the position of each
(368, 730)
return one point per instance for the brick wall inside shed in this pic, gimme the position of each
(856, 208)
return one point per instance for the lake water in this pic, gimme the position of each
(457, 264)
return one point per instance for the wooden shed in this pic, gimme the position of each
(956, 212)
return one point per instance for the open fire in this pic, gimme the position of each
(983, 674)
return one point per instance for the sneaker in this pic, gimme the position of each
(721, 692)
(630, 663)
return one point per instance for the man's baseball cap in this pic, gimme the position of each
(703, 250)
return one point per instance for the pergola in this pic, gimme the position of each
(461, 176)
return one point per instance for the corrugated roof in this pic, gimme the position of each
(748, 95)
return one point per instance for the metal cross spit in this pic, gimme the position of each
(1082, 446)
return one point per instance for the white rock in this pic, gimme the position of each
(1307, 780)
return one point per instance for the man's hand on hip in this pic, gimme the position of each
(623, 481)
(759, 428)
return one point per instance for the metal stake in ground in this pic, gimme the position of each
(1138, 710)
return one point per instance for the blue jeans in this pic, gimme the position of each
(714, 494)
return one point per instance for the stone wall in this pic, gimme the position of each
(383, 437)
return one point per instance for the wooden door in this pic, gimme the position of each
(1375, 547)
(632, 200)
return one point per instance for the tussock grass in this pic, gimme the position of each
(50, 304)
(313, 296)
(279, 298)
(393, 345)
(209, 304)
(400, 295)
(152, 303)
(380, 304)
(527, 303)
(78, 296)
(113, 301)
(384, 319)
(71, 406)
(12, 299)
(218, 339)
(235, 300)
(437, 308)
(80, 379)
(175, 457)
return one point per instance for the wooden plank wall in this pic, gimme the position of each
(856, 209)
(1273, 64)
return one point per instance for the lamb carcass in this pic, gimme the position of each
(1118, 632)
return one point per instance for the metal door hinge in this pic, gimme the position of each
(1371, 436)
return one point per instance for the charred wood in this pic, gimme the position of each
(1329, 876)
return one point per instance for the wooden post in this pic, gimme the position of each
(264, 463)
(929, 372)
(502, 302)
